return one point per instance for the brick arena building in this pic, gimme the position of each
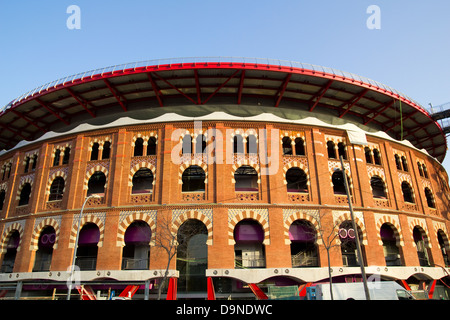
(245, 152)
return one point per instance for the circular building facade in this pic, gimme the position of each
(223, 171)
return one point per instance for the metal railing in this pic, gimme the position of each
(86, 263)
(440, 108)
(42, 265)
(134, 264)
(303, 259)
(441, 114)
(206, 60)
(244, 263)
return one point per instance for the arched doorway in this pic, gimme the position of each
(192, 256)
(391, 250)
(348, 235)
(304, 251)
(443, 245)
(249, 249)
(44, 253)
(87, 247)
(136, 252)
(423, 251)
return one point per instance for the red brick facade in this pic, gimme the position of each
(219, 207)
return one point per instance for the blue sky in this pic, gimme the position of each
(410, 52)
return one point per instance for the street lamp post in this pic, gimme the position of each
(72, 267)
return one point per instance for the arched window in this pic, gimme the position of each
(246, 179)
(299, 147)
(142, 181)
(56, 158)
(200, 144)
(407, 192)
(151, 146)
(368, 154)
(249, 249)
(378, 187)
(238, 144)
(297, 180)
(27, 164)
(419, 167)
(192, 256)
(34, 162)
(9, 170)
(138, 147)
(404, 163)
(425, 171)
(44, 253)
(390, 249)
(287, 146)
(25, 194)
(341, 150)
(186, 147)
(430, 198)
(4, 168)
(331, 149)
(376, 156)
(86, 258)
(96, 183)
(106, 150)
(56, 189)
(398, 163)
(2, 198)
(193, 179)
(66, 155)
(136, 252)
(304, 251)
(94, 151)
(338, 183)
(252, 144)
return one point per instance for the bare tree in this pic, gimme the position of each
(166, 244)
(172, 240)
(324, 232)
(328, 233)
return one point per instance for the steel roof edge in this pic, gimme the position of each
(241, 63)
(176, 63)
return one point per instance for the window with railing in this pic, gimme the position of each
(44, 253)
(56, 189)
(136, 252)
(304, 252)
(87, 250)
(249, 248)
(390, 246)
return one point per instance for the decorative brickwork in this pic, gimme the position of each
(97, 218)
(237, 215)
(40, 224)
(128, 217)
(203, 215)
(9, 229)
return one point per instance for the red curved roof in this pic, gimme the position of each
(279, 84)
